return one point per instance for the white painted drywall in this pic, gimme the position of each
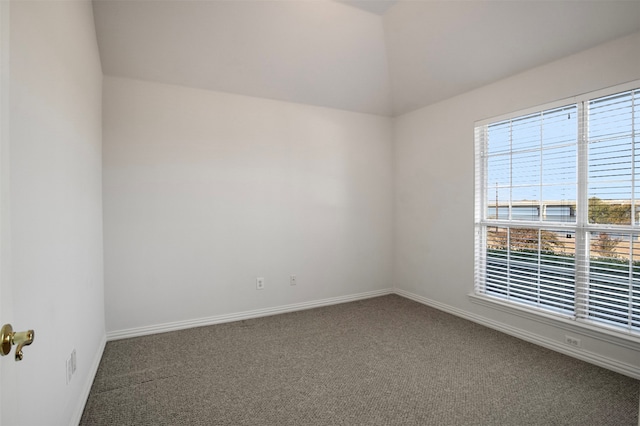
(55, 206)
(205, 191)
(434, 179)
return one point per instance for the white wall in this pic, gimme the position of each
(434, 186)
(55, 206)
(205, 191)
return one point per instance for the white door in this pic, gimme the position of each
(8, 372)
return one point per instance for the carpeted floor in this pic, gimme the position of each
(382, 361)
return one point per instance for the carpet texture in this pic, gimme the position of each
(382, 361)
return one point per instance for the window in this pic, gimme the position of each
(557, 209)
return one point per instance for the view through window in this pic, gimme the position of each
(557, 220)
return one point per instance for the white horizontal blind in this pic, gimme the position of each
(530, 186)
(557, 226)
(612, 293)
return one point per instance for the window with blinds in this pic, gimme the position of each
(557, 225)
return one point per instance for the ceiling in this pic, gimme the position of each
(373, 56)
(379, 7)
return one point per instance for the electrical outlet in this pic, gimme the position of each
(572, 341)
(260, 283)
(73, 362)
(293, 280)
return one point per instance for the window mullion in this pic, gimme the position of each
(633, 205)
(541, 169)
(631, 255)
(633, 160)
(508, 263)
(539, 272)
(582, 214)
(510, 208)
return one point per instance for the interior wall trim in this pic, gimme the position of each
(582, 354)
(572, 326)
(84, 396)
(239, 316)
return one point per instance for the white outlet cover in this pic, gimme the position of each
(573, 341)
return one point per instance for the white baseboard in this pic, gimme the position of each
(84, 396)
(219, 319)
(584, 355)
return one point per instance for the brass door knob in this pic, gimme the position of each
(8, 338)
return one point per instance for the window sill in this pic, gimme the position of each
(600, 333)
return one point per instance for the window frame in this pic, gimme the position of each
(581, 226)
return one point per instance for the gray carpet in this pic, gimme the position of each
(382, 361)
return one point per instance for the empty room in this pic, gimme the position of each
(319, 212)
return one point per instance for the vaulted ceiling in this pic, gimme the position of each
(384, 57)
